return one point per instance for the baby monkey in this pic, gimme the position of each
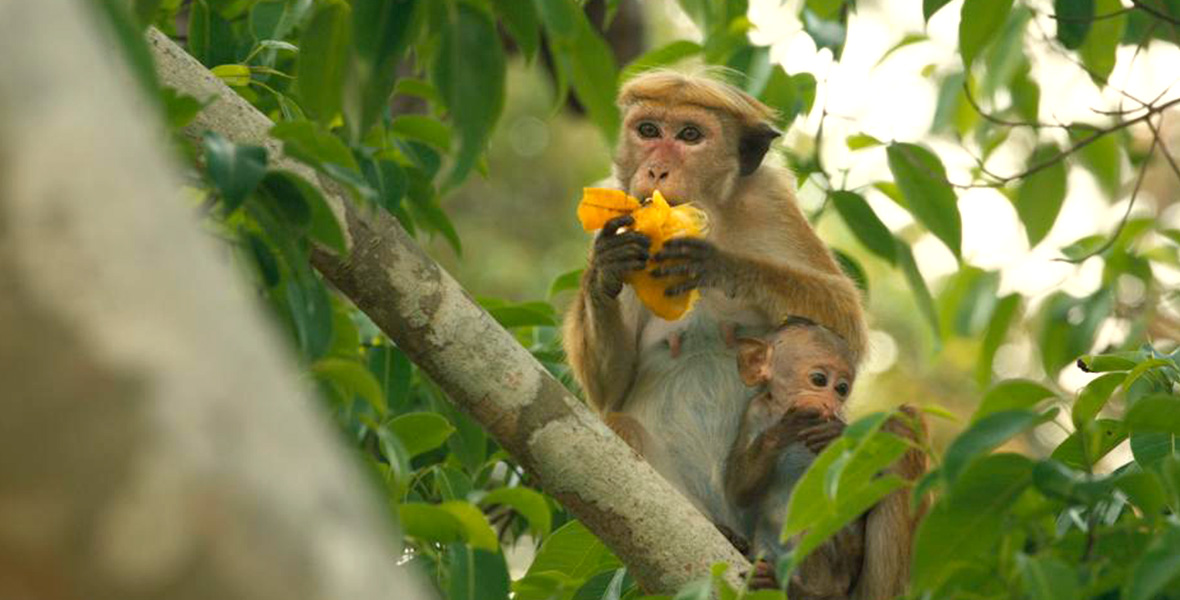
(808, 372)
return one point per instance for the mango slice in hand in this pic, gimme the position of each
(660, 222)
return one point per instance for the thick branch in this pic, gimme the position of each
(154, 442)
(663, 540)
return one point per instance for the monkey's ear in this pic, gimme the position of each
(754, 360)
(753, 146)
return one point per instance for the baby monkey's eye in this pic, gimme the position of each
(690, 134)
(818, 378)
(648, 130)
(843, 388)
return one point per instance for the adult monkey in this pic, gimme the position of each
(671, 389)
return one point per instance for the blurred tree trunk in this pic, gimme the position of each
(662, 538)
(154, 442)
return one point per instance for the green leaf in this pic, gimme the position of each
(575, 552)
(1094, 396)
(323, 60)
(323, 226)
(986, 434)
(585, 60)
(180, 108)
(1159, 413)
(524, 315)
(1102, 363)
(922, 179)
(853, 269)
(979, 22)
(790, 95)
(929, 7)
(354, 378)
(1144, 490)
(1040, 195)
(314, 145)
(607, 585)
(477, 574)
(264, 259)
(420, 431)
(905, 259)
(529, 503)
(210, 37)
(520, 18)
(860, 141)
(997, 332)
(830, 34)
(1073, 18)
(394, 372)
(1098, 51)
(469, 72)
(311, 310)
(1103, 158)
(424, 129)
(1100, 436)
(448, 522)
(969, 520)
(660, 57)
(381, 32)
(865, 224)
(1013, 394)
(233, 75)
(1149, 448)
(1073, 486)
(1047, 578)
(570, 280)
(825, 9)
(235, 169)
(1157, 568)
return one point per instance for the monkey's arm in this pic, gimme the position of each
(890, 525)
(779, 290)
(601, 339)
(601, 335)
(752, 460)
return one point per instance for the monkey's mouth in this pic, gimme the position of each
(671, 200)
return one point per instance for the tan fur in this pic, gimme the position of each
(673, 88)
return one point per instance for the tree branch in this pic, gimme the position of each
(664, 541)
(155, 441)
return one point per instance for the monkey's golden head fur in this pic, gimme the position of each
(673, 88)
(693, 138)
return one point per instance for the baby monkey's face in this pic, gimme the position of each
(803, 367)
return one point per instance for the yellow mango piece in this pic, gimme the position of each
(660, 222)
(600, 205)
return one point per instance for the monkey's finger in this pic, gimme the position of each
(676, 269)
(621, 251)
(683, 287)
(613, 226)
(683, 252)
(630, 238)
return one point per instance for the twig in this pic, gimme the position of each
(1122, 222)
(1155, 12)
(1155, 130)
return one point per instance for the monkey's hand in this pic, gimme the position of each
(616, 254)
(791, 426)
(817, 437)
(698, 261)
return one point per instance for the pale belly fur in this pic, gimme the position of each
(689, 447)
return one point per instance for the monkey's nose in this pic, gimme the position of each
(657, 175)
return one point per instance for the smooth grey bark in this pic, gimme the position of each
(154, 439)
(658, 534)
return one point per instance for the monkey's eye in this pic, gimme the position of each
(818, 378)
(648, 130)
(842, 389)
(690, 134)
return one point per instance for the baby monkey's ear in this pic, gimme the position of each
(754, 360)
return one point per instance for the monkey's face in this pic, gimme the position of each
(803, 367)
(688, 153)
